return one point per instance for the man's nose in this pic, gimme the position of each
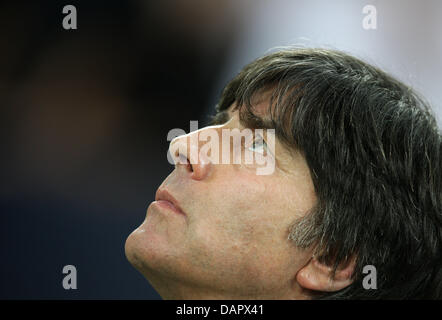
(185, 151)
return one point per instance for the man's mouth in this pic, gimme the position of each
(164, 199)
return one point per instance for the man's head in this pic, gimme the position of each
(357, 181)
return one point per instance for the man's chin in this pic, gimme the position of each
(131, 249)
(145, 249)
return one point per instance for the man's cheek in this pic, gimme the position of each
(212, 241)
(244, 191)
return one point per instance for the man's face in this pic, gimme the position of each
(232, 240)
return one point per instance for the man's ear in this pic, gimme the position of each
(317, 276)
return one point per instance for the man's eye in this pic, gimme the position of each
(258, 145)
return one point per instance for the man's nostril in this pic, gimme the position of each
(183, 160)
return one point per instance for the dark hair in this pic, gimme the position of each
(374, 152)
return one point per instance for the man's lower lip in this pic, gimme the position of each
(168, 205)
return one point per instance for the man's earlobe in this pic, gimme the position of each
(317, 276)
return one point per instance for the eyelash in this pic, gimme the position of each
(260, 139)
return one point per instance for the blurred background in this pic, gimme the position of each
(85, 113)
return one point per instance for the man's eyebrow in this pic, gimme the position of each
(246, 119)
(253, 121)
(220, 117)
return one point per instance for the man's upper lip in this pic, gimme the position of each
(163, 194)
